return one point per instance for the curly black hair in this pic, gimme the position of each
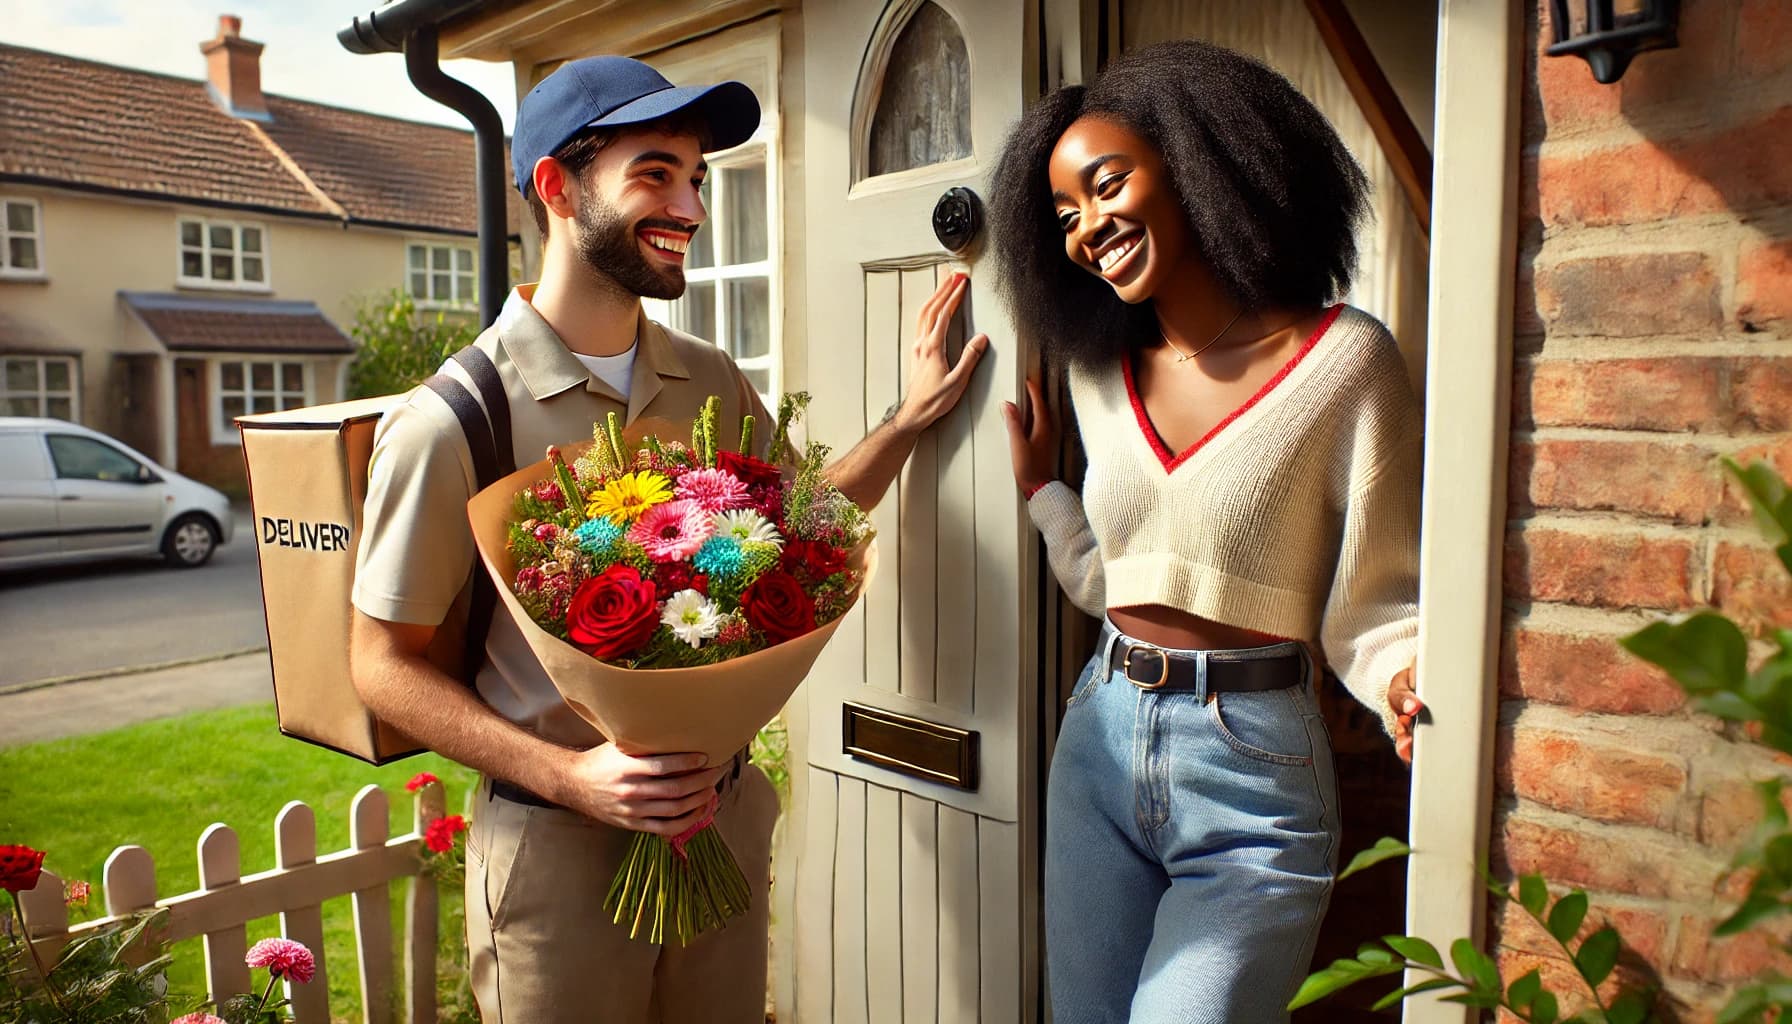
(1272, 195)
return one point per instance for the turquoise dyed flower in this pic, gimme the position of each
(596, 535)
(720, 556)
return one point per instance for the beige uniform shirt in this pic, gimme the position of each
(417, 552)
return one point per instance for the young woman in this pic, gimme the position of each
(1177, 234)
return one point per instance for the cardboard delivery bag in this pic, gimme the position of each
(307, 479)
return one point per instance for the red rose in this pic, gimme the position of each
(777, 605)
(613, 613)
(439, 835)
(419, 780)
(748, 470)
(812, 559)
(19, 868)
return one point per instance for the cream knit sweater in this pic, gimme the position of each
(1297, 516)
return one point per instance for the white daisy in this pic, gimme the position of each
(747, 526)
(692, 617)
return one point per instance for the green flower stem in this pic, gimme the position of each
(31, 947)
(569, 487)
(613, 427)
(261, 1005)
(746, 434)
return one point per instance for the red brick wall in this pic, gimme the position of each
(1654, 336)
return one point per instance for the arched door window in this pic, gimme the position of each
(914, 96)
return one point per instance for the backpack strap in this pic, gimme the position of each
(487, 430)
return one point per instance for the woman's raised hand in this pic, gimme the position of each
(1032, 441)
(934, 384)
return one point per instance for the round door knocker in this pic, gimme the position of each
(958, 219)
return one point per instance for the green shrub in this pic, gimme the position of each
(399, 346)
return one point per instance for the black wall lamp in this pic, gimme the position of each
(1608, 38)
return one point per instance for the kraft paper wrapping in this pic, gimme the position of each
(715, 709)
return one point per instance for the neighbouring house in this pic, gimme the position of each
(177, 252)
(1593, 285)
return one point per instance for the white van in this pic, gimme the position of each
(70, 494)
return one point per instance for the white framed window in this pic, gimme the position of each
(21, 237)
(240, 386)
(223, 254)
(733, 290)
(441, 274)
(40, 386)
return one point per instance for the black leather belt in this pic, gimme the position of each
(1153, 668)
(518, 795)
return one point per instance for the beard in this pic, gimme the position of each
(607, 243)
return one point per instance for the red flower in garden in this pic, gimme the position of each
(19, 868)
(419, 780)
(283, 958)
(76, 893)
(440, 833)
(777, 605)
(613, 613)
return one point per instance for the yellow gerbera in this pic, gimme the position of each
(624, 499)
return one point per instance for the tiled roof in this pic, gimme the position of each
(80, 123)
(184, 323)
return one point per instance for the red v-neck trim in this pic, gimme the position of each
(1164, 455)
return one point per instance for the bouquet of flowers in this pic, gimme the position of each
(676, 593)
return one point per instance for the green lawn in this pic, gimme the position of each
(159, 784)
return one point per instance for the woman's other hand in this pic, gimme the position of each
(1031, 444)
(1406, 704)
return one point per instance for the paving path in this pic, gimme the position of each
(32, 714)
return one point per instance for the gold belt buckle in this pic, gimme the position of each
(1163, 667)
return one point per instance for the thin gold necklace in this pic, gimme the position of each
(1181, 358)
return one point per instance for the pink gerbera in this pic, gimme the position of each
(672, 531)
(716, 490)
(283, 958)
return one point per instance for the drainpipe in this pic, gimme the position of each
(412, 26)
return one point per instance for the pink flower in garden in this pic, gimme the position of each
(419, 780)
(672, 531)
(76, 893)
(283, 958)
(198, 1018)
(715, 490)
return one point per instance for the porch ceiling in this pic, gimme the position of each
(538, 31)
(190, 324)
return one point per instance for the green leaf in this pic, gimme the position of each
(1543, 1008)
(1375, 956)
(1768, 494)
(1705, 653)
(1628, 1008)
(1475, 966)
(1533, 894)
(1385, 848)
(1341, 974)
(1565, 917)
(1521, 993)
(1598, 955)
(1412, 990)
(1415, 949)
(1477, 998)
(1757, 906)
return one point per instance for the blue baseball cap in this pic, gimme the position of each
(606, 92)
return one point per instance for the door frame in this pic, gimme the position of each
(1474, 242)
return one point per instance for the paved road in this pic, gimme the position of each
(90, 619)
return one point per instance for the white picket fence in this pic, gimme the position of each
(295, 888)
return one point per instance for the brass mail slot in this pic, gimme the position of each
(912, 746)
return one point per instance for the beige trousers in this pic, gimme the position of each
(542, 950)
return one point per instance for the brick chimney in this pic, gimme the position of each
(233, 67)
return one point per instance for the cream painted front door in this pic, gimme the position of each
(917, 865)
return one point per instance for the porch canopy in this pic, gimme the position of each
(184, 323)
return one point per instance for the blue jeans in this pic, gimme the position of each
(1190, 845)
